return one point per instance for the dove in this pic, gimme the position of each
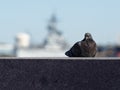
(84, 48)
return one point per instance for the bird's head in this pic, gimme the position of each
(88, 36)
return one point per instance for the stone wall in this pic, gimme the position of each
(59, 74)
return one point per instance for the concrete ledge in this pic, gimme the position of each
(59, 73)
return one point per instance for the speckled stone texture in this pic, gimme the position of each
(45, 74)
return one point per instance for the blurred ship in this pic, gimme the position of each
(54, 44)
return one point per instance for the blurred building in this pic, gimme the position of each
(22, 40)
(54, 45)
(54, 38)
(118, 39)
(6, 50)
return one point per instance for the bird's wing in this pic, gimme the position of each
(75, 51)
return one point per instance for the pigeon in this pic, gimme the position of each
(84, 48)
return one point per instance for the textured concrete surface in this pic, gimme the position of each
(59, 74)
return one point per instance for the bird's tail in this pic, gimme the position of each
(68, 53)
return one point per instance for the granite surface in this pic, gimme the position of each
(47, 74)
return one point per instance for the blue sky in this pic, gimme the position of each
(99, 17)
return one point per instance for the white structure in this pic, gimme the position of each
(37, 52)
(54, 44)
(6, 49)
(22, 40)
(118, 39)
(54, 39)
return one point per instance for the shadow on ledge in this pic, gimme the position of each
(60, 74)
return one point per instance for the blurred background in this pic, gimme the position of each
(47, 28)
